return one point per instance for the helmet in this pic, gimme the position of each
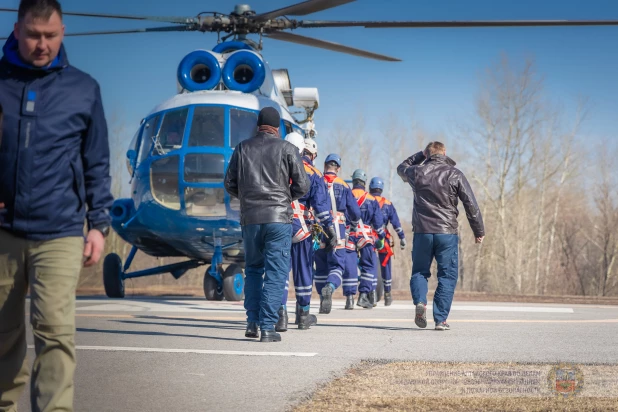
(311, 146)
(376, 183)
(360, 175)
(297, 140)
(333, 157)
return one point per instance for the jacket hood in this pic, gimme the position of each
(439, 158)
(11, 55)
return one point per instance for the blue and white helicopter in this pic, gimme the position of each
(178, 156)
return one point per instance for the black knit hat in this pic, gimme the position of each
(269, 116)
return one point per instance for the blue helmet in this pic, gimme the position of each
(376, 183)
(333, 157)
(360, 175)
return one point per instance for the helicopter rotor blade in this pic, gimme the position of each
(177, 20)
(308, 41)
(301, 9)
(455, 24)
(146, 30)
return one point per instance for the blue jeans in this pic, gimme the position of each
(267, 249)
(444, 248)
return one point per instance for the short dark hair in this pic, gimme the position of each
(332, 164)
(435, 148)
(40, 9)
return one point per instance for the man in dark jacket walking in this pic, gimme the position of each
(54, 177)
(266, 174)
(437, 186)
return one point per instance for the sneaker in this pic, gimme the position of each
(442, 326)
(421, 315)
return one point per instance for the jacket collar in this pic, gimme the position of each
(11, 55)
(308, 160)
(264, 134)
(439, 158)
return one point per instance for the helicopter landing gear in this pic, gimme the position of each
(113, 278)
(234, 283)
(213, 288)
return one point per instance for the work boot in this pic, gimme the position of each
(282, 323)
(321, 300)
(297, 314)
(326, 303)
(349, 303)
(373, 298)
(388, 298)
(363, 301)
(306, 320)
(270, 336)
(252, 330)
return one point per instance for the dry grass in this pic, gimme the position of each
(395, 386)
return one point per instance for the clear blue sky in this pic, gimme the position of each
(439, 73)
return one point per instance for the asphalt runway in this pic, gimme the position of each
(154, 354)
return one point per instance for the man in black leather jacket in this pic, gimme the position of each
(437, 186)
(266, 174)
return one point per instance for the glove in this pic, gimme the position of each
(403, 244)
(380, 244)
(332, 239)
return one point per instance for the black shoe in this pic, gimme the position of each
(326, 303)
(388, 298)
(282, 323)
(297, 313)
(363, 301)
(252, 330)
(270, 336)
(306, 320)
(349, 303)
(373, 298)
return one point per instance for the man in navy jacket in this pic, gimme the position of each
(54, 178)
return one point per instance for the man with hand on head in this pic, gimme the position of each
(437, 186)
(54, 177)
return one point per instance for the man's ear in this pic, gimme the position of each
(16, 30)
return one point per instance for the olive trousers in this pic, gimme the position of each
(49, 270)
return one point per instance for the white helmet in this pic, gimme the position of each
(311, 146)
(297, 140)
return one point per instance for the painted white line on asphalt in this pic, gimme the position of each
(198, 351)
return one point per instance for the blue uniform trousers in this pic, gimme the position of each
(387, 277)
(302, 272)
(368, 268)
(267, 257)
(350, 274)
(329, 267)
(444, 247)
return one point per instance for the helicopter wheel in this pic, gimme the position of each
(234, 283)
(212, 291)
(112, 276)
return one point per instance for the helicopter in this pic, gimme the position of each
(179, 154)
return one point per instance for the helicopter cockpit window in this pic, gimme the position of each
(243, 125)
(207, 127)
(150, 130)
(171, 132)
(204, 168)
(164, 181)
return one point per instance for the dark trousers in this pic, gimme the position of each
(350, 275)
(368, 263)
(387, 276)
(267, 256)
(329, 267)
(302, 272)
(444, 248)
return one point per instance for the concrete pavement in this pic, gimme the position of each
(156, 354)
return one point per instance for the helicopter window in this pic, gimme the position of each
(243, 125)
(164, 181)
(204, 168)
(172, 131)
(150, 129)
(207, 127)
(288, 127)
(202, 201)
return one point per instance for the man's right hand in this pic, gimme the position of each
(332, 241)
(479, 239)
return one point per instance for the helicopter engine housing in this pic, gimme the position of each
(244, 71)
(199, 70)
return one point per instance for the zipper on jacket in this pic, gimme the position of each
(28, 127)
